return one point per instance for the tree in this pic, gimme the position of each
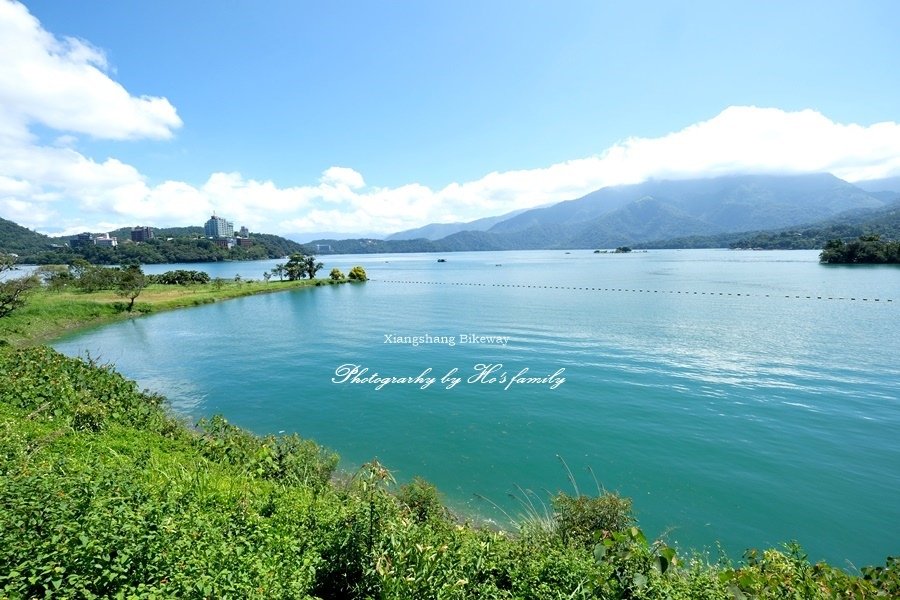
(130, 282)
(93, 278)
(295, 268)
(278, 269)
(357, 274)
(299, 266)
(267, 276)
(336, 274)
(833, 251)
(13, 291)
(312, 266)
(78, 267)
(55, 277)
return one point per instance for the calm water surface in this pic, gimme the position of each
(739, 397)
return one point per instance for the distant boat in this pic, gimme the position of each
(442, 260)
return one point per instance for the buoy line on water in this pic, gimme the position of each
(648, 291)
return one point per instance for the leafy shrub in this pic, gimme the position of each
(579, 517)
(789, 574)
(83, 392)
(289, 459)
(422, 500)
(336, 274)
(357, 274)
(636, 564)
(180, 277)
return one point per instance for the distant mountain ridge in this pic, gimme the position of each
(847, 226)
(730, 203)
(436, 231)
(887, 184)
(649, 211)
(633, 215)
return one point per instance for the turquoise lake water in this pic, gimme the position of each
(740, 398)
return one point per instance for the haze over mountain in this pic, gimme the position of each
(888, 184)
(676, 210)
(436, 231)
(884, 221)
(653, 210)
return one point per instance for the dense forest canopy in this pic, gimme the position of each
(868, 249)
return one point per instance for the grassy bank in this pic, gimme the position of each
(49, 314)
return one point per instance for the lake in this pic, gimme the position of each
(740, 398)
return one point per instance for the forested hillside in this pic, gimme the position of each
(169, 245)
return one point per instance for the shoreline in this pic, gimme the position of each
(49, 315)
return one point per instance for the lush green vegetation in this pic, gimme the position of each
(299, 266)
(358, 274)
(15, 239)
(13, 290)
(868, 249)
(105, 494)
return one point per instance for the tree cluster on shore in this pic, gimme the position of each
(867, 249)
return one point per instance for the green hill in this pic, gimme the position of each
(169, 245)
(15, 239)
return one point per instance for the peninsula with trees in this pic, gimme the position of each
(866, 250)
(146, 245)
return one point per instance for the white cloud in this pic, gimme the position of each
(738, 140)
(342, 176)
(65, 85)
(748, 139)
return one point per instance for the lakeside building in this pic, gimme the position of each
(217, 227)
(91, 239)
(82, 239)
(141, 234)
(106, 240)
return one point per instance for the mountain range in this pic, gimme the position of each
(734, 210)
(648, 212)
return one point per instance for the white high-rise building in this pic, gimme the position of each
(217, 227)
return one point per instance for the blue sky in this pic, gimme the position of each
(372, 117)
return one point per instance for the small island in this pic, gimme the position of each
(868, 250)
